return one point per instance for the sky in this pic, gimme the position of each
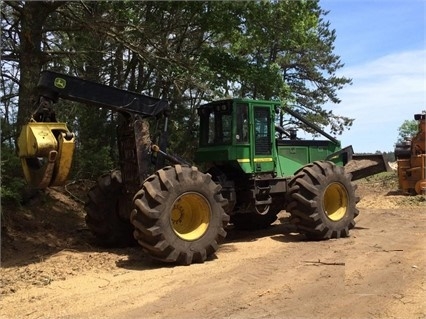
(382, 44)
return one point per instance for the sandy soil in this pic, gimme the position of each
(51, 269)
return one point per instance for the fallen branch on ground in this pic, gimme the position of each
(325, 263)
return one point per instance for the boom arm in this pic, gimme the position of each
(54, 85)
(311, 125)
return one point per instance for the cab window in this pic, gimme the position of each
(262, 126)
(242, 133)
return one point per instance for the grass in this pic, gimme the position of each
(414, 200)
(385, 180)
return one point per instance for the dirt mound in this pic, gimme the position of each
(47, 240)
(50, 220)
(381, 191)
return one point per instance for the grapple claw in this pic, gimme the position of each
(46, 150)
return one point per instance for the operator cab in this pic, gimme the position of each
(239, 131)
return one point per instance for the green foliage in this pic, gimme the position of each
(92, 160)
(12, 181)
(289, 50)
(414, 200)
(187, 52)
(407, 130)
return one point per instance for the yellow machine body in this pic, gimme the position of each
(46, 150)
(412, 174)
(412, 168)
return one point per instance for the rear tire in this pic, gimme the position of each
(179, 215)
(102, 208)
(322, 201)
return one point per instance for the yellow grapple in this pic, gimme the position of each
(46, 150)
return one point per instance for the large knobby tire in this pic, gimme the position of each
(322, 201)
(102, 208)
(179, 215)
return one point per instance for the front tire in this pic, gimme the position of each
(322, 201)
(179, 215)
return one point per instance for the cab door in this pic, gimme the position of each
(262, 137)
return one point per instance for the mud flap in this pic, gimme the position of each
(361, 166)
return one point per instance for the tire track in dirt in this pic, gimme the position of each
(249, 290)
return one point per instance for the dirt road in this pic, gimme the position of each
(49, 270)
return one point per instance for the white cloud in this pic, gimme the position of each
(385, 92)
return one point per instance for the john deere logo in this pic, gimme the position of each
(60, 83)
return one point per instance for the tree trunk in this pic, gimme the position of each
(33, 16)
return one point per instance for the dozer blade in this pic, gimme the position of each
(46, 151)
(366, 165)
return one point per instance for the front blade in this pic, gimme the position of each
(366, 165)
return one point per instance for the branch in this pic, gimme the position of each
(15, 5)
(71, 194)
(319, 262)
(8, 97)
(10, 77)
(10, 57)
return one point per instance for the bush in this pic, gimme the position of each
(12, 180)
(92, 160)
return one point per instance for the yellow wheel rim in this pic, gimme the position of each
(336, 200)
(190, 217)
